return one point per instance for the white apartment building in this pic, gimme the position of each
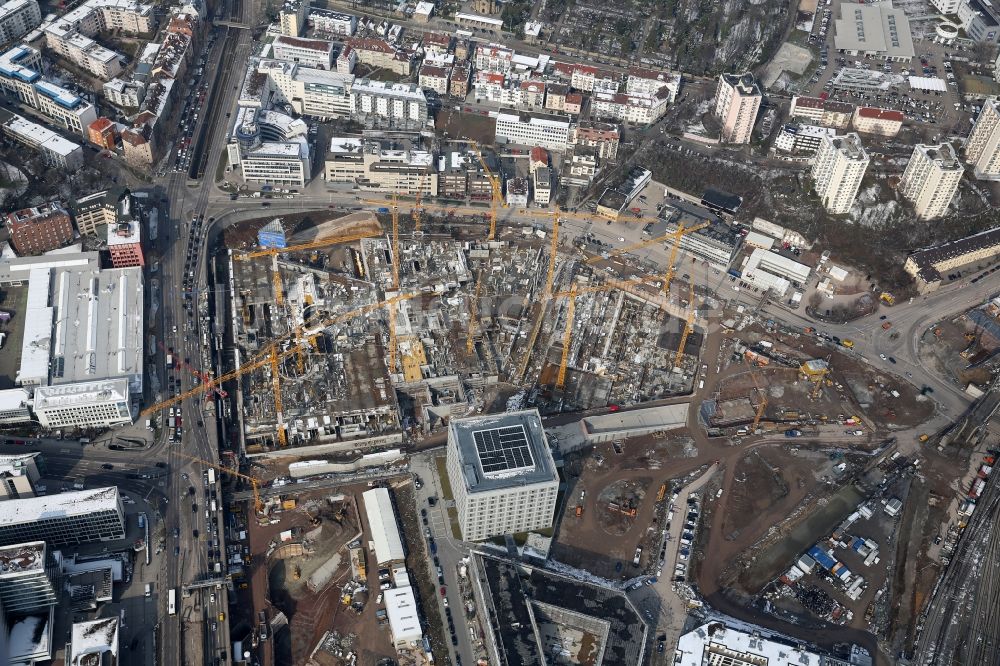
(542, 186)
(99, 404)
(640, 109)
(594, 80)
(737, 101)
(56, 151)
(502, 474)
(19, 76)
(549, 131)
(982, 150)
(931, 179)
(128, 94)
(642, 81)
(333, 23)
(316, 53)
(383, 104)
(947, 7)
(18, 18)
(803, 139)
(837, 171)
(70, 34)
(434, 78)
(497, 89)
(494, 58)
(311, 92)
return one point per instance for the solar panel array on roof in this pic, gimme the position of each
(503, 449)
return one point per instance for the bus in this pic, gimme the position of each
(172, 602)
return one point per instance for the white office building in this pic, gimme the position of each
(982, 149)
(18, 18)
(404, 617)
(802, 139)
(737, 100)
(715, 644)
(316, 53)
(931, 179)
(502, 474)
(270, 147)
(549, 131)
(98, 404)
(837, 171)
(64, 518)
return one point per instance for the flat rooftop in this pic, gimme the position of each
(503, 450)
(22, 558)
(663, 417)
(60, 505)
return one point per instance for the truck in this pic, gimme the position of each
(923, 437)
(170, 361)
(383, 210)
(142, 521)
(793, 433)
(149, 589)
(847, 343)
(211, 476)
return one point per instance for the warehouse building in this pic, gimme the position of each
(877, 30)
(65, 518)
(404, 617)
(386, 541)
(502, 474)
(766, 270)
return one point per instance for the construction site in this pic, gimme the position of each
(364, 331)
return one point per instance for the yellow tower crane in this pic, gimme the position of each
(761, 395)
(549, 280)
(572, 293)
(688, 326)
(264, 359)
(417, 212)
(393, 343)
(254, 483)
(276, 387)
(496, 192)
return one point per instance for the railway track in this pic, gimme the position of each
(961, 625)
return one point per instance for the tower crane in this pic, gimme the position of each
(677, 236)
(417, 212)
(496, 195)
(395, 285)
(761, 394)
(572, 293)
(263, 359)
(276, 387)
(254, 483)
(273, 252)
(688, 326)
(549, 280)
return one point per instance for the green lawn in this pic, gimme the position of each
(443, 477)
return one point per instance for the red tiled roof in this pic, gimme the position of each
(880, 114)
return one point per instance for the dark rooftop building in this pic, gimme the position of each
(721, 202)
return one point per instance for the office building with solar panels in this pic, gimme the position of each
(502, 474)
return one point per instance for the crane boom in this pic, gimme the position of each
(264, 359)
(496, 192)
(320, 242)
(254, 483)
(473, 316)
(688, 327)
(761, 395)
(276, 387)
(553, 250)
(567, 340)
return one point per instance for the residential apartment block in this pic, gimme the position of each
(884, 122)
(931, 178)
(737, 100)
(332, 23)
(502, 474)
(40, 229)
(823, 112)
(982, 149)
(640, 109)
(378, 53)
(70, 35)
(434, 78)
(125, 93)
(55, 150)
(292, 17)
(20, 77)
(18, 18)
(493, 58)
(837, 171)
(602, 137)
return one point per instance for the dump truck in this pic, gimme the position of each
(579, 510)
(848, 343)
(288, 504)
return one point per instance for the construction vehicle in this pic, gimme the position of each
(254, 483)
(546, 297)
(923, 438)
(579, 510)
(847, 343)
(661, 493)
(887, 298)
(625, 508)
(288, 504)
(264, 359)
